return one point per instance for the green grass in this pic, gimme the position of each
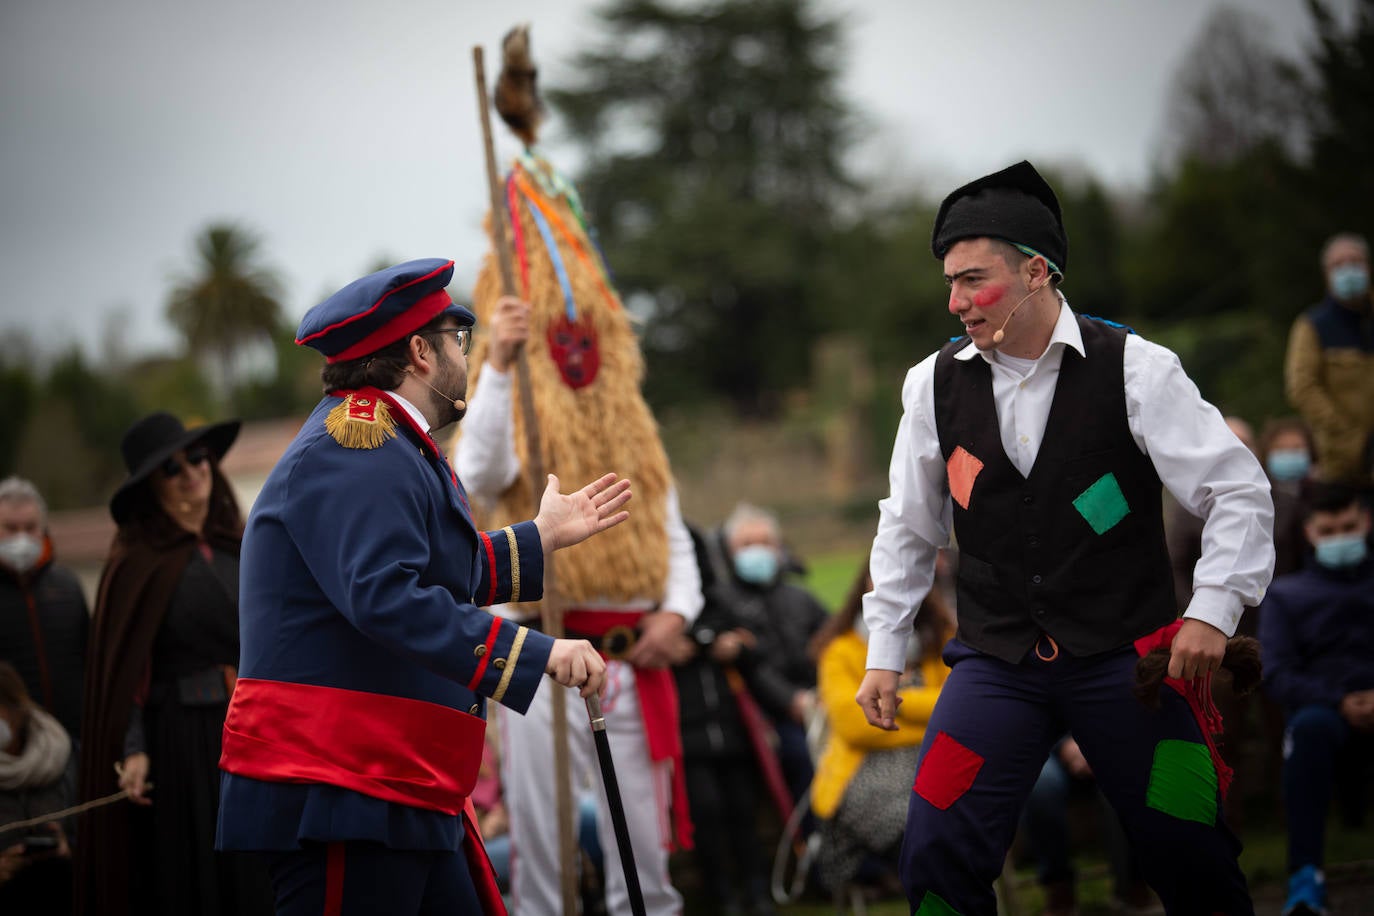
(829, 576)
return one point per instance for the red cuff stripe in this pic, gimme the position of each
(482, 662)
(491, 568)
(334, 880)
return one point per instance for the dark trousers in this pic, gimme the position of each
(724, 795)
(1316, 741)
(368, 879)
(986, 743)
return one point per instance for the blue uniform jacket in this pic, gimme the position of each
(361, 569)
(1316, 630)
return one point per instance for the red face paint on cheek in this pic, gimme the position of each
(988, 297)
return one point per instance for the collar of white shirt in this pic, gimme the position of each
(414, 412)
(1066, 332)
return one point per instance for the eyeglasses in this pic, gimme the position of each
(195, 455)
(462, 335)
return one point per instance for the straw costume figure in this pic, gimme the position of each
(633, 593)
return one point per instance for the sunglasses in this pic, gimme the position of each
(195, 455)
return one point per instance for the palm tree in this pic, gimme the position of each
(229, 303)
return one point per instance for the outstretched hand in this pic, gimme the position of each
(571, 519)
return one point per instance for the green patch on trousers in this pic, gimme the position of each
(1183, 781)
(932, 904)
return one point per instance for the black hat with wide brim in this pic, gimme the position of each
(154, 439)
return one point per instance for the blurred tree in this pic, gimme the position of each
(18, 391)
(175, 384)
(1233, 94)
(1343, 117)
(70, 446)
(294, 389)
(229, 303)
(715, 138)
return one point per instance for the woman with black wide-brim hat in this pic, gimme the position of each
(163, 654)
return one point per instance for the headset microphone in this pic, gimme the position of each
(458, 403)
(1000, 333)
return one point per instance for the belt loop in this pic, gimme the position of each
(1054, 645)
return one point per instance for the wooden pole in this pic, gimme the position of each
(551, 613)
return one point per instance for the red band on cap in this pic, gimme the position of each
(409, 321)
(302, 341)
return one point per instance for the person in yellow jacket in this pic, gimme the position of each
(860, 766)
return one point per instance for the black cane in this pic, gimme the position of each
(622, 829)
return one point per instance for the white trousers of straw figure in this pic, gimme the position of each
(527, 774)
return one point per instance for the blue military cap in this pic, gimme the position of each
(381, 308)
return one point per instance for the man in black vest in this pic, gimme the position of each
(1041, 439)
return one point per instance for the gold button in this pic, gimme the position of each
(500, 663)
(474, 710)
(480, 651)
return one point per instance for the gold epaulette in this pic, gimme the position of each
(360, 422)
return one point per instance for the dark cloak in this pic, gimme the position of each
(145, 566)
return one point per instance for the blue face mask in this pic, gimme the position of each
(1288, 463)
(756, 564)
(1342, 551)
(1349, 282)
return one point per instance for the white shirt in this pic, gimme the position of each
(1198, 459)
(488, 463)
(411, 409)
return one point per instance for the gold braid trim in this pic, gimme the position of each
(511, 659)
(514, 563)
(360, 422)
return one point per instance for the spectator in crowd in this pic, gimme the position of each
(781, 618)
(1329, 372)
(1045, 822)
(862, 768)
(43, 615)
(1288, 453)
(723, 786)
(164, 653)
(1317, 637)
(36, 778)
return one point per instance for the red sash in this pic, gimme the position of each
(658, 707)
(406, 751)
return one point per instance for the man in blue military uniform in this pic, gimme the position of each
(356, 727)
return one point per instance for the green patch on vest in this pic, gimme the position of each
(932, 904)
(1103, 504)
(1183, 781)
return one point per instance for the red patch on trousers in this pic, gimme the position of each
(946, 772)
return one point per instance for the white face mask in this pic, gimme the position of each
(20, 552)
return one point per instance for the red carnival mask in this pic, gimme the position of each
(572, 344)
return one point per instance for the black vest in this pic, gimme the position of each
(1075, 550)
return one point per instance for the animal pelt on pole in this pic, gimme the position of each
(517, 90)
(1242, 662)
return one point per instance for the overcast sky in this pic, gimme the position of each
(344, 131)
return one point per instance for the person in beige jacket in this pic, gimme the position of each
(1329, 372)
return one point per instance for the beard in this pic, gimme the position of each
(451, 379)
